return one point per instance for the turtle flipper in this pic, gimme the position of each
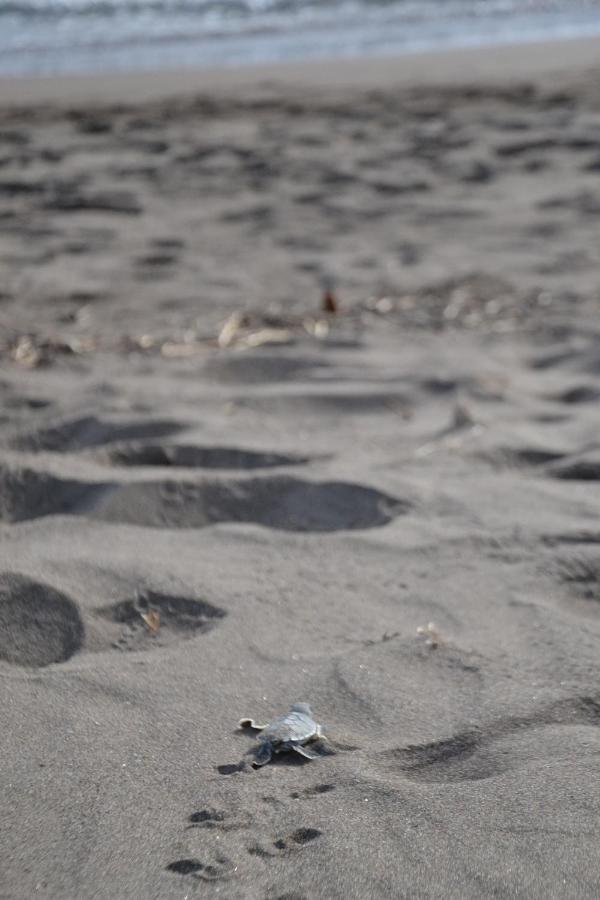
(310, 751)
(262, 754)
(250, 723)
(313, 750)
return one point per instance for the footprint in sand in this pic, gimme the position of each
(280, 502)
(88, 431)
(38, 624)
(153, 620)
(127, 444)
(27, 494)
(195, 457)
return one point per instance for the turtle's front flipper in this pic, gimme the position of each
(307, 751)
(314, 750)
(262, 754)
(250, 723)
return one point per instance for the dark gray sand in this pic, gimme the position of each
(217, 500)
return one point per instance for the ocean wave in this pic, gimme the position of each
(50, 36)
(230, 10)
(224, 9)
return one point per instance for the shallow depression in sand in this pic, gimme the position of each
(89, 431)
(282, 502)
(502, 746)
(153, 619)
(189, 456)
(27, 494)
(278, 501)
(38, 625)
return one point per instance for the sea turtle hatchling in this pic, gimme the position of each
(295, 730)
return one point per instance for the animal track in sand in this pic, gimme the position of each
(153, 619)
(475, 755)
(298, 838)
(201, 840)
(218, 820)
(230, 768)
(208, 818)
(314, 791)
(220, 867)
(89, 431)
(185, 866)
(38, 624)
(281, 502)
(187, 456)
(290, 842)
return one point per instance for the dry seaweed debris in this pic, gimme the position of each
(152, 619)
(237, 332)
(32, 351)
(230, 330)
(243, 331)
(475, 300)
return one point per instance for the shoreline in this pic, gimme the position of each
(563, 60)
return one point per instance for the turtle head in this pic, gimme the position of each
(302, 708)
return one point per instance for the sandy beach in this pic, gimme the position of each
(300, 374)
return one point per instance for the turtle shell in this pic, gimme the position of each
(295, 726)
